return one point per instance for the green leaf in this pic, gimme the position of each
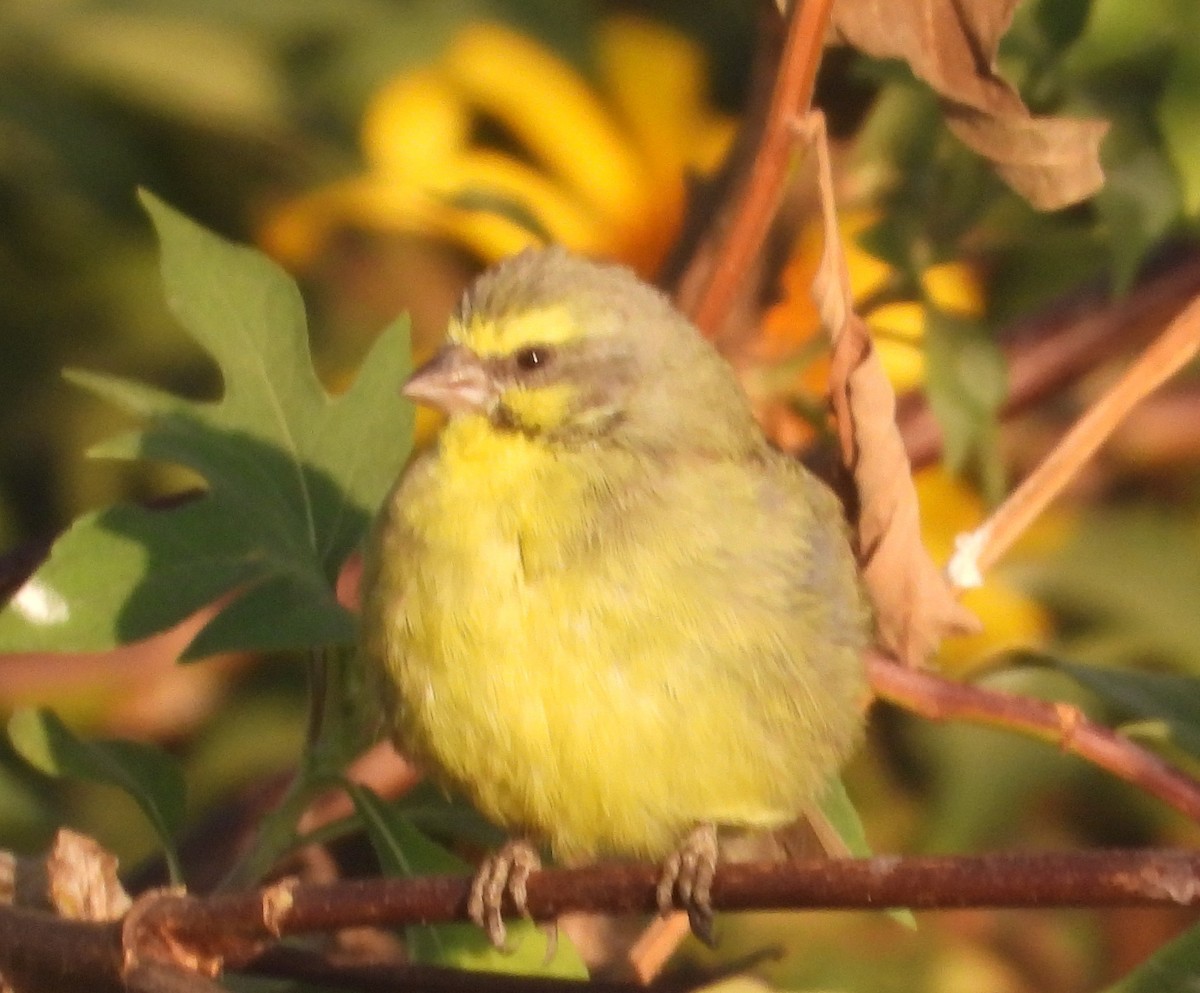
(429, 808)
(966, 383)
(1157, 696)
(292, 476)
(1172, 969)
(1132, 574)
(1140, 199)
(843, 818)
(1119, 35)
(404, 851)
(1178, 111)
(1060, 21)
(151, 777)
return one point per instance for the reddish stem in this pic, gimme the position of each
(763, 187)
(940, 699)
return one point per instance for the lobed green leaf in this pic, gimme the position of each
(292, 476)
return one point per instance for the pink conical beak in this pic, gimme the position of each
(454, 381)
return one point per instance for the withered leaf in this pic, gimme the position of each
(82, 881)
(915, 606)
(951, 45)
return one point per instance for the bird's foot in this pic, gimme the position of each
(504, 872)
(687, 875)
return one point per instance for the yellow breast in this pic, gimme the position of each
(556, 662)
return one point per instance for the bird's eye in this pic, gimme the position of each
(533, 357)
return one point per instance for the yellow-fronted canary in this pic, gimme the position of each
(607, 611)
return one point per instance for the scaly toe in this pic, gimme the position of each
(688, 875)
(666, 883)
(482, 905)
(507, 871)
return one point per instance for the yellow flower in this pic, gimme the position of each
(1010, 618)
(600, 169)
(790, 340)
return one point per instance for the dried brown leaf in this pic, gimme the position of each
(915, 606)
(82, 881)
(77, 880)
(951, 45)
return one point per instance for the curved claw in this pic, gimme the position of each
(507, 871)
(688, 874)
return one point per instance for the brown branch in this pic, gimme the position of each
(940, 699)
(1060, 879)
(155, 977)
(39, 950)
(170, 937)
(1047, 352)
(759, 194)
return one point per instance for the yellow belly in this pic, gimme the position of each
(553, 730)
(606, 701)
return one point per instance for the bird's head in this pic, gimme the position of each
(569, 351)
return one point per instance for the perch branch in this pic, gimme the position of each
(1058, 879)
(175, 937)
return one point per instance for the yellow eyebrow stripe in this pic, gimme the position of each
(552, 325)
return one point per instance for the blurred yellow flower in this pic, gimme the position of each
(1010, 618)
(599, 168)
(790, 340)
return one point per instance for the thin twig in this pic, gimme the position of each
(940, 699)
(1173, 349)
(1046, 352)
(760, 194)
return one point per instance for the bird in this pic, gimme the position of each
(601, 605)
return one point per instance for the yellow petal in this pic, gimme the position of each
(868, 274)
(657, 79)
(955, 288)
(905, 320)
(903, 362)
(1010, 619)
(297, 233)
(551, 108)
(414, 125)
(495, 176)
(711, 141)
(948, 507)
(488, 235)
